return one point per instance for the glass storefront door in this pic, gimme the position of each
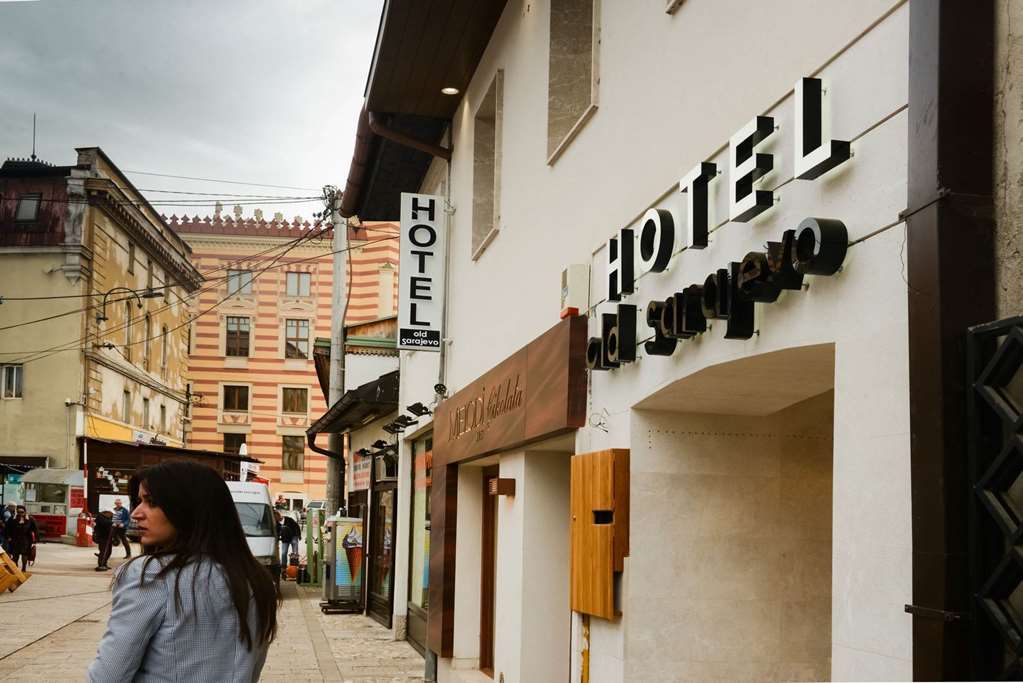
(419, 555)
(380, 593)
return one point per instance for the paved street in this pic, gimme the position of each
(49, 629)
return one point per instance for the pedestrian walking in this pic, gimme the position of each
(122, 519)
(195, 605)
(6, 515)
(22, 534)
(289, 533)
(102, 534)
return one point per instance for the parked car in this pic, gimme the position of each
(255, 511)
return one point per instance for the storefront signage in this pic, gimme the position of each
(537, 392)
(421, 276)
(816, 247)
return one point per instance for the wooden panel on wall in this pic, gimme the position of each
(600, 529)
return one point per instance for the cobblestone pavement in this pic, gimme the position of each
(50, 627)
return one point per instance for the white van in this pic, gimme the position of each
(255, 510)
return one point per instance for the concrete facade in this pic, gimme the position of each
(843, 505)
(121, 377)
(1008, 159)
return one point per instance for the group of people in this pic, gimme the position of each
(19, 534)
(110, 529)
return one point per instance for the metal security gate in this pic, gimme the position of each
(995, 461)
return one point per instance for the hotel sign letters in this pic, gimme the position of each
(421, 275)
(816, 246)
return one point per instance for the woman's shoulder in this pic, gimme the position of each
(139, 571)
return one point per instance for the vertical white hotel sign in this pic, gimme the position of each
(421, 273)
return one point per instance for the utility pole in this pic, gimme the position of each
(339, 308)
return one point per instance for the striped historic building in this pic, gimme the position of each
(266, 300)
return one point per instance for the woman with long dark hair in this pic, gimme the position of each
(196, 605)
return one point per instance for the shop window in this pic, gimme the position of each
(27, 210)
(293, 456)
(422, 478)
(233, 443)
(126, 407)
(47, 493)
(486, 167)
(295, 400)
(237, 336)
(298, 284)
(572, 71)
(131, 257)
(236, 398)
(296, 338)
(145, 413)
(12, 380)
(239, 282)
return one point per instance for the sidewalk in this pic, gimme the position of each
(52, 625)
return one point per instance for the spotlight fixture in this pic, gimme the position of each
(405, 421)
(449, 90)
(362, 452)
(418, 409)
(380, 443)
(393, 428)
(440, 389)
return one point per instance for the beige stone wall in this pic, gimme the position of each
(1009, 157)
(39, 423)
(730, 572)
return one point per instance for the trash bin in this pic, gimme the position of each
(83, 533)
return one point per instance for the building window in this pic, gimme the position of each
(296, 339)
(126, 407)
(298, 284)
(385, 291)
(422, 478)
(148, 332)
(239, 282)
(294, 453)
(236, 398)
(163, 418)
(237, 340)
(163, 347)
(127, 330)
(233, 443)
(149, 274)
(131, 257)
(295, 400)
(486, 167)
(572, 71)
(12, 380)
(145, 413)
(189, 396)
(27, 210)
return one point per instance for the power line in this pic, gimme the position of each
(225, 194)
(44, 353)
(215, 180)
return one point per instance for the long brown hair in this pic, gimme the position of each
(198, 504)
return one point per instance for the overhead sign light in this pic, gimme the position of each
(421, 276)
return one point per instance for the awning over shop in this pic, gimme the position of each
(359, 406)
(43, 475)
(19, 464)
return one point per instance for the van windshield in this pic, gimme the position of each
(256, 519)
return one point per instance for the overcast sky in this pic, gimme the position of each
(261, 91)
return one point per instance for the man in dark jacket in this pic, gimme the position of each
(103, 534)
(289, 534)
(21, 534)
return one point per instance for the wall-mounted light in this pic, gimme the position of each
(440, 390)
(449, 90)
(393, 428)
(418, 409)
(362, 452)
(405, 421)
(380, 443)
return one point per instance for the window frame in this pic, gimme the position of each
(163, 419)
(553, 153)
(235, 283)
(284, 402)
(126, 407)
(300, 277)
(237, 335)
(145, 412)
(233, 435)
(131, 257)
(285, 453)
(37, 197)
(147, 342)
(163, 349)
(127, 330)
(223, 398)
(489, 182)
(18, 388)
(305, 340)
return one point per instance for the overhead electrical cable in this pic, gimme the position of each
(229, 182)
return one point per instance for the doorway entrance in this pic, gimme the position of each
(380, 590)
(488, 572)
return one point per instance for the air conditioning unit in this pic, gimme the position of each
(575, 289)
